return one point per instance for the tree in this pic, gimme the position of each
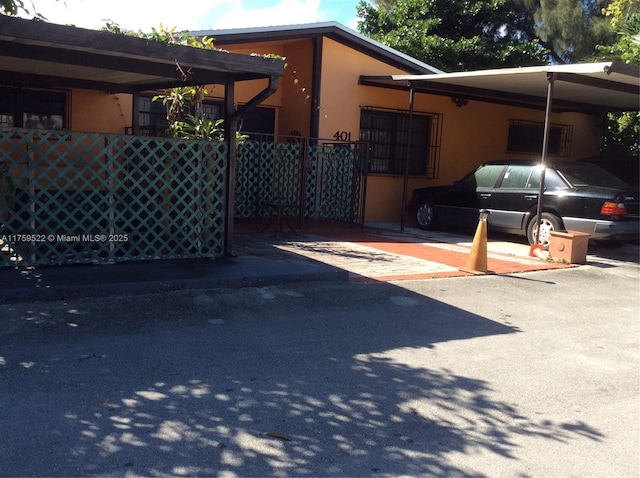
(622, 135)
(13, 7)
(566, 31)
(569, 29)
(624, 16)
(453, 35)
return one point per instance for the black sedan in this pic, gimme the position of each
(577, 196)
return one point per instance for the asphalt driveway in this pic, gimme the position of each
(532, 374)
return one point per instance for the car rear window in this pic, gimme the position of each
(581, 174)
(552, 180)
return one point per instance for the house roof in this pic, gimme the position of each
(589, 87)
(41, 54)
(333, 30)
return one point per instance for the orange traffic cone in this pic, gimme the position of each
(477, 262)
(536, 250)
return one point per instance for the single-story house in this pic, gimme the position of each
(339, 127)
(341, 85)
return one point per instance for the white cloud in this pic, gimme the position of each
(195, 14)
(285, 12)
(129, 14)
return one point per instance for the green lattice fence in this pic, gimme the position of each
(91, 198)
(273, 170)
(267, 172)
(334, 182)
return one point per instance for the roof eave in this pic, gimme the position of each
(332, 30)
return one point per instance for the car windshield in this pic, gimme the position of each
(580, 174)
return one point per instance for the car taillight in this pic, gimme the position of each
(613, 209)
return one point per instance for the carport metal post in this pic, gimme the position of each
(406, 164)
(551, 77)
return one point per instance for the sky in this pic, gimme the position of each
(194, 14)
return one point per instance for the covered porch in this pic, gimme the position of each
(85, 197)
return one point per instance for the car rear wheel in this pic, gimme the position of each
(426, 217)
(548, 223)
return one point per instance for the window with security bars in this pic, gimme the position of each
(527, 137)
(387, 133)
(33, 109)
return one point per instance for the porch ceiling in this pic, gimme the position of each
(589, 87)
(41, 54)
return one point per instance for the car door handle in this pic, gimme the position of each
(530, 197)
(485, 196)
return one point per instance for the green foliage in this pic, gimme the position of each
(622, 135)
(571, 28)
(493, 32)
(13, 7)
(184, 103)
(164, 35)
(183, 124)
(192, 127)
(452, 35)
(627, 46)
(619, 10)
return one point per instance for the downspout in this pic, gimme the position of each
(407, 159)
(314, 126)
(135, 113)
(231, 115)
(551, 77)
(259, 98)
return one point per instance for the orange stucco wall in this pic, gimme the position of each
(294, 89)
(99, 112)
(471, 134)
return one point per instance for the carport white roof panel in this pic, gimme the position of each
(606, 85)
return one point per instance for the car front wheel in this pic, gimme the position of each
(548, 223)
(426, 217)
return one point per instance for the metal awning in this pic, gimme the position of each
(40, 54)
(588, 87)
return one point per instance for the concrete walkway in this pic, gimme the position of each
(382, 253)
(377, 252)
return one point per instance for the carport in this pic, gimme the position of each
(37, 54)
(591, 88)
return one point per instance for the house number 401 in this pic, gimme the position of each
(342, 136)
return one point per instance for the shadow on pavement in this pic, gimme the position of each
(263, 381)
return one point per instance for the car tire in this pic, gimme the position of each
(549, 222)
(426, 217)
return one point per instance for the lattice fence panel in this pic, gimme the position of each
(333, 186)
(254, 170)
(267, 172)
(90, 198)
